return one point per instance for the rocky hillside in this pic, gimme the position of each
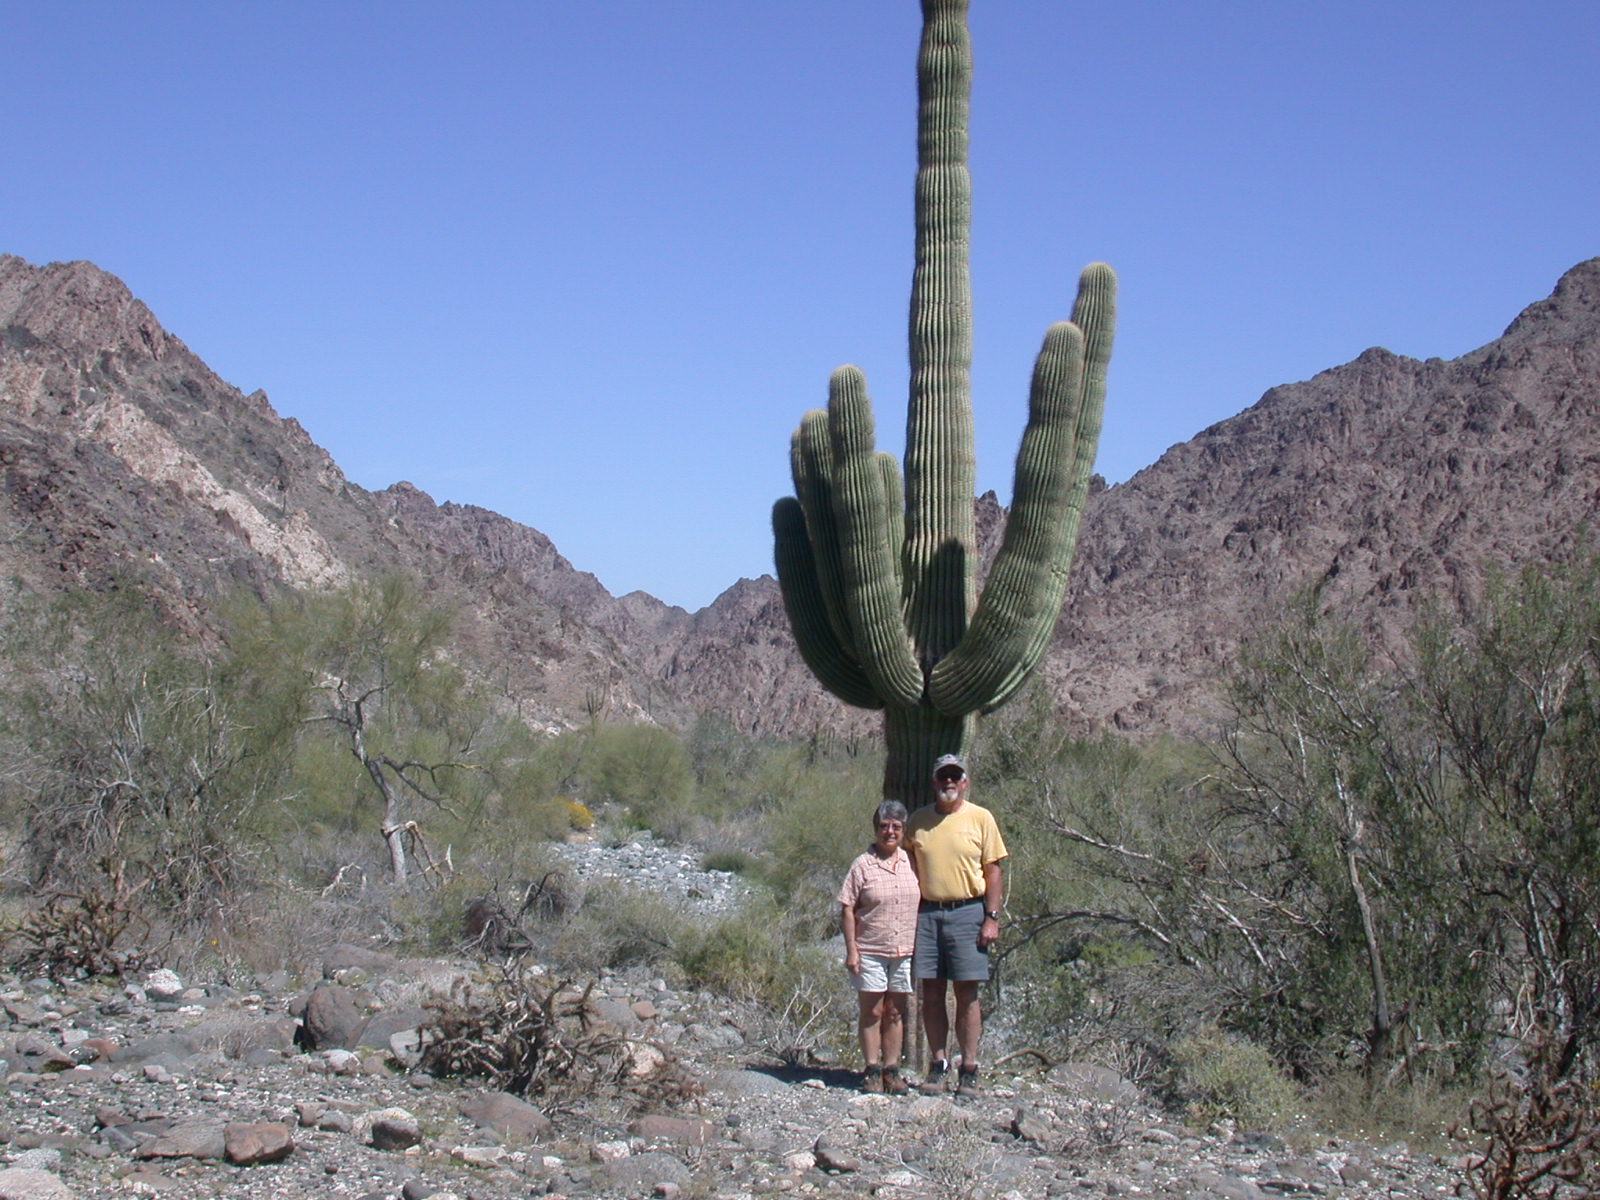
(122, 456)
(1381, 482)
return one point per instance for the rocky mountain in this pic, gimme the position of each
(1381, 482)
(123, 458)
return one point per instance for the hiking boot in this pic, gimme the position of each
(967, 1082)
(872, 1080)
(892, 1083)
(934, 1081)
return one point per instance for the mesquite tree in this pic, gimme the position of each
(878, 572)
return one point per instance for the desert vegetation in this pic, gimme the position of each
(1372, 896)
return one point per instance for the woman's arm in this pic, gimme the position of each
(847, 926)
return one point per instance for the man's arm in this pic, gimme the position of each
(994, 895)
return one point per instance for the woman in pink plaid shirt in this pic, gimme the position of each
(878, 916)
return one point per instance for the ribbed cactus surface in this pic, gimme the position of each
(878, 573)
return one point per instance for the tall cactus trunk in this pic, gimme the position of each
(878, 577)
(915, 738)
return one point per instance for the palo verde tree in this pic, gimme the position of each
(878, 572)
(366, 665)
(130, 765)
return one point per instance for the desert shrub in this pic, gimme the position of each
(1097, 946)
(1533, 1137)
(955, 1155)
(642, 767)
(814, 829)
(759, 957)
(72, 935)
(735, 861)
(617, 926)
(524, 1034)
(129, 756)
(1220, 1075)
(1419, 1109)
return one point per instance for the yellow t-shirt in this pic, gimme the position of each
(953, 850)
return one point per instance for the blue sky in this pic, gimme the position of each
(587, 264)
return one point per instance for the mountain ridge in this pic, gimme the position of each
(1378, 481)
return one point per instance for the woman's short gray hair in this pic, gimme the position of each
(889, 810)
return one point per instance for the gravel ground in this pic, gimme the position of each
(307, 1087)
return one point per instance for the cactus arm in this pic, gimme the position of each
(1022, 598)
(811, 461)
(868, 559)
(830, 661)
(894, 502)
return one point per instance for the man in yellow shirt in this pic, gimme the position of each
(958, 852)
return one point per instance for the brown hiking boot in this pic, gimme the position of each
(892, 1083)
(872, 1080)
(933, 1083)
(967, 1082)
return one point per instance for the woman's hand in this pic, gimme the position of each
(852, 961)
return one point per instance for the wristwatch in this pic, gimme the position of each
(992, 913)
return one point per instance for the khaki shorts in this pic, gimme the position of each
(882, 973)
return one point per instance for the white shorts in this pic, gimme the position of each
(883, 973)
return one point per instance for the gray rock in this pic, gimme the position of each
(380, 1029)
(684, 1131)
(388, 1129)
(163, 984)
(504, 1114)
(40, 1158)
(1228, 1187)
(1356, 1174)
(645, 1172)
(198, 1138)
(352, 964)
(616, 1013)
(833, 1158)
(250, 1143)
(748, 1083)
(238, 1035)
(29, 1183)
(169, 1048)
(1030, 1126)
(331, 1021)
(1093, 1082)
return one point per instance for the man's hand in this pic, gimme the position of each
(988, 933)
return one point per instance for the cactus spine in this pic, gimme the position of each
(878, 572)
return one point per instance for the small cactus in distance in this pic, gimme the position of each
(877, 571)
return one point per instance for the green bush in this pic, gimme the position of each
(1225, 1077)
(759, 956)
(621, 926)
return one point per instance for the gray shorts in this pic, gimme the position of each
(947, 943)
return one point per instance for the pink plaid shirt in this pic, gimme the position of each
(885, 895)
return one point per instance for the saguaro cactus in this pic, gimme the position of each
(878, 574)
